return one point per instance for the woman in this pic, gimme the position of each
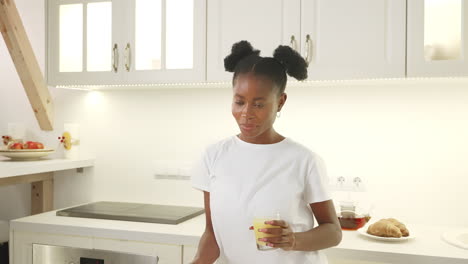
(259, 171)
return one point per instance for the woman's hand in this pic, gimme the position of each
(284, 236)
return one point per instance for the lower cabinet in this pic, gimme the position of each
(167, 254)
(21, 244)
(21, 247)
(188, 254)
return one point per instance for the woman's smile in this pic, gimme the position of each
(247, 127)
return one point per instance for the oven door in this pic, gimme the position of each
(46, 254)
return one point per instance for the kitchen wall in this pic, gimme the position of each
(405, 138)
(14, 105)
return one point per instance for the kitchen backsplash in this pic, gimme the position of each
(406, 140)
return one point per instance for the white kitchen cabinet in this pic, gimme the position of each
(341, 39)
(125, 42)
(189, 253)
(437, 38)
(167, 50)
(167, 254)
(21, 244)
(264, 23)
(356, 39)
(83, 38)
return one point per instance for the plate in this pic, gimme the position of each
(363, 231)
(457, 237)
(26, 154)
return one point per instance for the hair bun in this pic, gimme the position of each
(295, 65)
(240, 50)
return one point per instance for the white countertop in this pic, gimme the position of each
(426, 247)
(186, 233)
(10, 168)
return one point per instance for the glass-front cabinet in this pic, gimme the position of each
(115, 42)
(437, 39)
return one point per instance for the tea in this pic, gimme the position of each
(352, 223)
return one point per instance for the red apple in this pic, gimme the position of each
(33, 145)
(16, 146)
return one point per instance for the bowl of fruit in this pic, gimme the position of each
(29, 150)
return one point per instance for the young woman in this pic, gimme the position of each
(260, 172)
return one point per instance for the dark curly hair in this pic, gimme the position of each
(245, 59)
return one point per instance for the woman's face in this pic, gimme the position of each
(254, 106)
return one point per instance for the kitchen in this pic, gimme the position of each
(404, 137)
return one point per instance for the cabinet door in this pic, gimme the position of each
(84, 41)
(168, 254)
(437, 38)
(344, 39)
(189, 253)
(264, 23)
(21, 244)
(165, 41)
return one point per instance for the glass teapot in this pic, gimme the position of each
(351, 215)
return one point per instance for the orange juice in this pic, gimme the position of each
(259, 223)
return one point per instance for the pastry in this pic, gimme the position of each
(400, 225)
(384, 228)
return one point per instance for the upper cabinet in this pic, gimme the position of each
(340, 39)
(264, 23)
(167, 41)
(80, 42)
(437, 38)
(131, 42)
(94, 42)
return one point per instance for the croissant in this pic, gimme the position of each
(384, 228)
(400, 225)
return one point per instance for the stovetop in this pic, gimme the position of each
(138, 212)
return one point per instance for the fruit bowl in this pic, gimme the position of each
(25, 154)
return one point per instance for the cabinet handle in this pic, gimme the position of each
(293, 43)
(128, 57)
(308, 49)
(115, 57)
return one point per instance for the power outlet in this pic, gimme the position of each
(171, 170)
(358, 185)
(171, 177)
(355, 184)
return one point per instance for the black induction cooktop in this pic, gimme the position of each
(137, 212)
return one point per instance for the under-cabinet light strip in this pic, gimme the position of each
(443, 80)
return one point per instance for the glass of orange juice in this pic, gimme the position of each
(259, 223)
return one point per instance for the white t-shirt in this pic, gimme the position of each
(250, 180)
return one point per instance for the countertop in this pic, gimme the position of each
(426, 247)
(10, 168)
(186, 233)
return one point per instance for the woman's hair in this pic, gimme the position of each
(245, 59)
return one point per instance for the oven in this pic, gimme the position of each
(47, 254)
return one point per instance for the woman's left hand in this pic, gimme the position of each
(284, 236)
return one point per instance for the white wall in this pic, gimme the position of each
(14, 105)
(406, 139)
